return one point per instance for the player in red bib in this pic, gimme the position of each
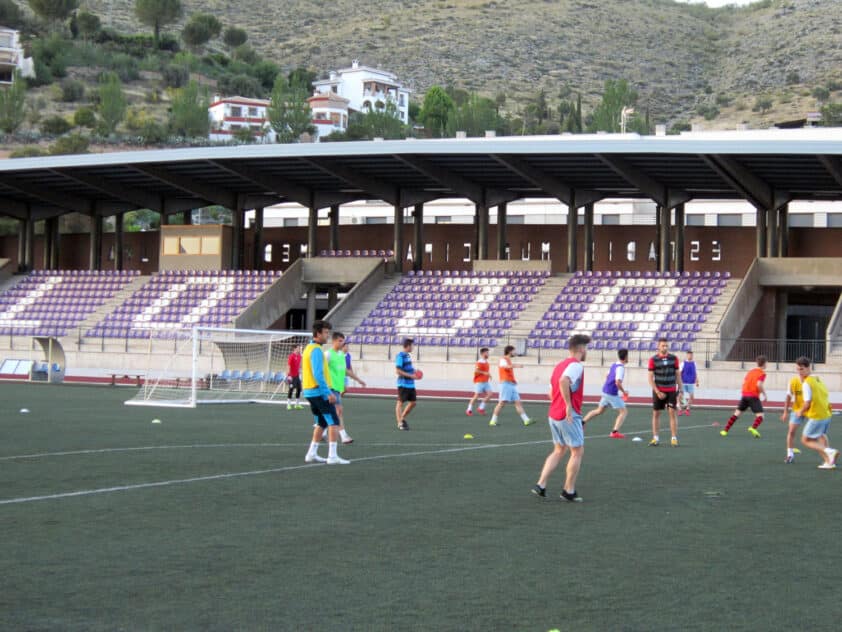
(567, 385)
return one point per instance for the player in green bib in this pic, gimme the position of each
(337, 370)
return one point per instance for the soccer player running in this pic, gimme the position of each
(752, 396)
(406, 384)
(611, 395)
(689, 382)
(665, 381)
(321, 399)
(794, 402)
(567, 385)
(338, 372)
(816, 409)
(508, 387)
(482, 383)
(294, 378)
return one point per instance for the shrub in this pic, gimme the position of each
(84, 117)
(723, 100)
(200, 29)
(240, 85)
(88, 24)
(70, 144)
(28, 151)
(234, 37)
(72, 90)
(245, 54)
(175, 76)
(55, 125)
(125, 66)
(793, 77)
(821, 94)
(10, 14)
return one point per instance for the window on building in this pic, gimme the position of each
(805, 220)
(611, 219)
(729, 219)
(252, 111)
(334, 89)
(694, 220)
(515, 219)
(444, 219)
(235, 127)
(290, 222)
(376, 220)
(236, 110)
(402, 100)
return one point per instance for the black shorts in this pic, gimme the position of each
(323, 411)
(750, 402)
(295, 383)
(406, 394)
(668, 401)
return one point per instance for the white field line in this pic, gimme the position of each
(288, 468)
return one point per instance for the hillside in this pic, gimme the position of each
(677, 56)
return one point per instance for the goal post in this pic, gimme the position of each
(214, 365)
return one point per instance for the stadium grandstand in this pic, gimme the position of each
(109, 298)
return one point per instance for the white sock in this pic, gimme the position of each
(469, 409)
(828, 450)
(331, 450)
(790, 452)
(674, 438)
(493, 417)
(343, 433)
(524, 416)
(656, 437)
(314, 449)
(481, 407)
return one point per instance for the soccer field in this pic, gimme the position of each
(212, 521)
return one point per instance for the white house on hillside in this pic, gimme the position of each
(229, 114)
(366, 89)
(330, 113)
(12, 57)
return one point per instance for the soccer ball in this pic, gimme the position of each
(419, 374)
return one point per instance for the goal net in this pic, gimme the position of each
(211, 365)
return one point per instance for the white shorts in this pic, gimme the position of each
(508, 392)
(615, 401)
(482, 387)
(569, 433)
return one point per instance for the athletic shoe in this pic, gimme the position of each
(754, 432)
(289, 407)
(832, 456)
(789, 459)
(314, 458)
(540, 491)
(347, 441)
(827, 466)
(482, 411)
(573, 498)
(724, 433)
(528, 422)
(337, 460)
(470, 413)
(654, 443)
(796, 451)
(674, 442)
(492, 423)
(403, 426)
(299, 407)
(616, 435)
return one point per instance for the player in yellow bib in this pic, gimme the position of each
(794, 401)
(816, 409)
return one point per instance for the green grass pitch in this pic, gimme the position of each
(213, 522)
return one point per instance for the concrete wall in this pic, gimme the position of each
(278, 299)
(739, 312)
(345, 270)
(359, 293)
(802, 271)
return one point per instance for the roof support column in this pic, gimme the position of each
(679, 238)
(238, 238)
(502, 209)
(482, 231)
(783, 231)
(29, 247)
(310, 317)
(55, 243)
(761, 232)
(398, 245)
(48, 237)
(418, 237)
(772, 233)
(312, 225)
(572, 225)
(664, 240)
(118, 241)
(334, 227)
(257, 240)
(589, 236)
(21, 244)
(95, 255)
(187, 217)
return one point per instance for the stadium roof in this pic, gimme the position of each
(766, 168)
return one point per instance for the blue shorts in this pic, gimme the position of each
(482, 387)
(338, 397)
(796, 420)
(815, 428)
(569, 433)
(508, 392)
(615, 401)
(689, 388)
(323, 411)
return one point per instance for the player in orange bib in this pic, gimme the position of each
(482, 383)
(752, 395)
(508, 387)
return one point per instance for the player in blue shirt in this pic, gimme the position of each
(406, 384)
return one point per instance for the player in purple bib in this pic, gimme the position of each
(689, 382)
(614, 394)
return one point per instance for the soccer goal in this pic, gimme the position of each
(212, 365)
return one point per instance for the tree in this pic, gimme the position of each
(435, 111)
(234, 37)
(606, 116)
(112, 103)
(821, 94)
(53, 10)
(289, 112)
(832, 115)
(200, 29)
(10, 14)
(377, 123)
(88, 24)
(13, 105)
(157, 13)
(189, 111)
(474, 117)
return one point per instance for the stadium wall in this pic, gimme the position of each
(707, 248)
